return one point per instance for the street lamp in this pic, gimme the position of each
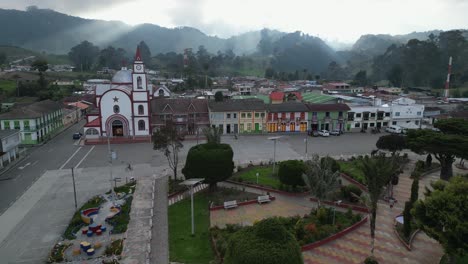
(191, 184)
(257, 177)
(306, 143)
(274, 151)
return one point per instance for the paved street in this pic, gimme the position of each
(42, 188)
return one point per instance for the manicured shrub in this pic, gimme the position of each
(407, 219)
(348, 190)
(267, 242)
(290, 172)
(371, 260)
(332, 163)
(420, 166)
(414, 191)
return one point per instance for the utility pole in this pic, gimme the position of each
(306, 143)
(110, 166)
(74, 188)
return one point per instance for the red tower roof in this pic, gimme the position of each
(137, 55)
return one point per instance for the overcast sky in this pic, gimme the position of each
(334, 20)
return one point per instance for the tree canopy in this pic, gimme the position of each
(442, 215)
(112, 58)
(40, 65)
(451, 142)
(168, 140)
(392, 143)
(320, 176)
(219, 96)
(210, 161)
(84, 55)
(145, 52)
(267, 242)
(290, 172)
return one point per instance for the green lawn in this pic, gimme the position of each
(462, 260)
(351, 168)
(265, 176)
(9, 87)
(182, 246)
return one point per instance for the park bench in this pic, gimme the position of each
(263, 199)
(230, 204)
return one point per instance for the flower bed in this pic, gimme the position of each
(57, 253)
(120, 221)
(316, 226)
(76, 222)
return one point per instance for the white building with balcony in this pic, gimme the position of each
(365, 117)
(9, 142)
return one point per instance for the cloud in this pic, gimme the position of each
(66, 6)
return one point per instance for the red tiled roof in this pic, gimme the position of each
(276, 95)
(95, 123)
(79, 105)
(298, 95)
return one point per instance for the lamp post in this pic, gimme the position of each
(257, 177)
(191, 184)
(274, 151)
(74, 188)
(306, 143)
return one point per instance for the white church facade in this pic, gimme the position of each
(123, 106)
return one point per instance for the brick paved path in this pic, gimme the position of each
(355, 246)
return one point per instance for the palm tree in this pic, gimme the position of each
(378, 170)
(319, 177)
(213, 134)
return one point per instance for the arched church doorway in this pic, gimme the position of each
(117, 128)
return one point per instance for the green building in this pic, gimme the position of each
(36, 121)
(327, 116)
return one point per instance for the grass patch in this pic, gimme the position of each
(182, 246)
(265, 176)
(458, 260)
(352, 169)
(114, 248)
(126, 188)
(228, 194)
(8, 87)
(120, 221)
(76, 223)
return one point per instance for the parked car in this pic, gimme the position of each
(313, 133)
(335, 132)
(77, 135)
(394, 129)
(324, 133)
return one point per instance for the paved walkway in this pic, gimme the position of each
(355, 246)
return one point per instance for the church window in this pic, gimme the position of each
(141, 110)
(161, 93)
(139, 82)
(141, 125)
(116, 109)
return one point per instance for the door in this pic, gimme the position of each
(257, 127)
(292, 127)
(364, 126)
(117, 128)
(228, 129)
(236, 129)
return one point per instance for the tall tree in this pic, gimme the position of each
(442, 216)
(392, 143)
(361, 78)
(320, 177)
(445, 146)
(145, 52)
(219, 96)
(112, 58)
(42, 66)
(395, 76)
(213, 135)
(378, 170)
(84, 55)
(168, 140)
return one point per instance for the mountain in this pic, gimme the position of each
(378, 44)
(45, 30)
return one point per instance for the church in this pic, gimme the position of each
(123, 105)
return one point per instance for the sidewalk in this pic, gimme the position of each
(11, 165)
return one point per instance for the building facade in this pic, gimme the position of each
(9, 142)
(327, 116)
(36, 122)
(238, 116)
(287, 117)
(406, 113)
(190, 116)
(365, 117)
(123, 105)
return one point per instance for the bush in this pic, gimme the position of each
(347, 190)
(115, 248)
(371, 260)
(334, 166)
(420, 166)
(120, 221)
(265, 242)
(414, 191)
(407, 219)
(290, 172)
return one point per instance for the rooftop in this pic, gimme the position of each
(33, 110)
(288, 107)
(316, 98)
(328, 107)
(237, 105)
(262, 97)
(178, 105)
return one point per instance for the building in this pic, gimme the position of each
(162, 91)
(406, 113)
(123, 105)
(364, 117)
(71, 115)
(431, 113)
(327, 116)
(36, 121)
(9, 142)
(280, 97)
(189, 115)
(340, 87)
(287, 117)
(389, 90)
(238, 116)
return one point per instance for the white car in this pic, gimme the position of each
(335, 132)
(324, 133)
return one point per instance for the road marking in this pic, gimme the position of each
(71, 157)
(79, 163)
(25, 165)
